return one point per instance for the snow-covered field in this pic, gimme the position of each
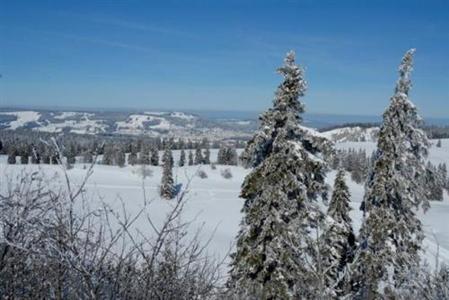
(214, 201)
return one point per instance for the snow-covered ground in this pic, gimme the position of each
(214, 201)
(23, 118)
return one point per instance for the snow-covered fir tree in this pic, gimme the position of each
(338, 240)
(198, 156)
(206, 156)
(391, 233)
(120, 157)
(168, 155)
(182, 158)
(144, 155)
(12, 155)
(274, 245)
(435, 182)
(108, 155)
(190, 158)
(154, 160)
(167, 189)
(227, 155)
(132, 157)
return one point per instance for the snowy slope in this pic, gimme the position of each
(151, 123)
(22, 118)
(352, 134)
(215, 201)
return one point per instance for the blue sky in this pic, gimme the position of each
(220, 55)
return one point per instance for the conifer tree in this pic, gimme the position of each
(167, 189)
(274, 245)
(182, 158)
(132, 157)
(120, 157)
(198, 156)
(144, 157)
(391, 233)
(24, 155)
(190, 158)
(168, 155)
(70, 155)
(338, 239)
(12, 156)
(154, 157)
(108, 155)
(435, 182)
(206, 157)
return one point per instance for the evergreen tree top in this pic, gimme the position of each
(404, 84)
(293, 86)
(339, 204)
(282, 122)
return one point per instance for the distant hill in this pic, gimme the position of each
(215, 125)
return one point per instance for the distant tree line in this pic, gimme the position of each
(359, 165)
(37, 148)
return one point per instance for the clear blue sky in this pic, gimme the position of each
(220, 55)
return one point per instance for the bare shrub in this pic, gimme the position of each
(201, 174)
(53, 245)
(226, 173)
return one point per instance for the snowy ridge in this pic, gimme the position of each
(151, 123)
(352, 134)
(215, 200)
(22, 118)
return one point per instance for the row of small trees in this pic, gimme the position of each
(288, 248)
(359, 165)
(116, 154)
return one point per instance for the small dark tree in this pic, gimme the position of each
(12, 156)
(132, 157)
(120, 157)
(206, 158)
(190, 158)
(182, 158)
(144, 157)
(167, 190)
(154, 157)
(198, 156)
(338, 239)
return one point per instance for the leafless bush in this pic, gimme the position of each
(201, 174)
(53, 245)
(226, 173)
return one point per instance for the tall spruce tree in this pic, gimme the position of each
(274, 245)
(167, 189)
(182, 158)
(391, 233)
(338, 239)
